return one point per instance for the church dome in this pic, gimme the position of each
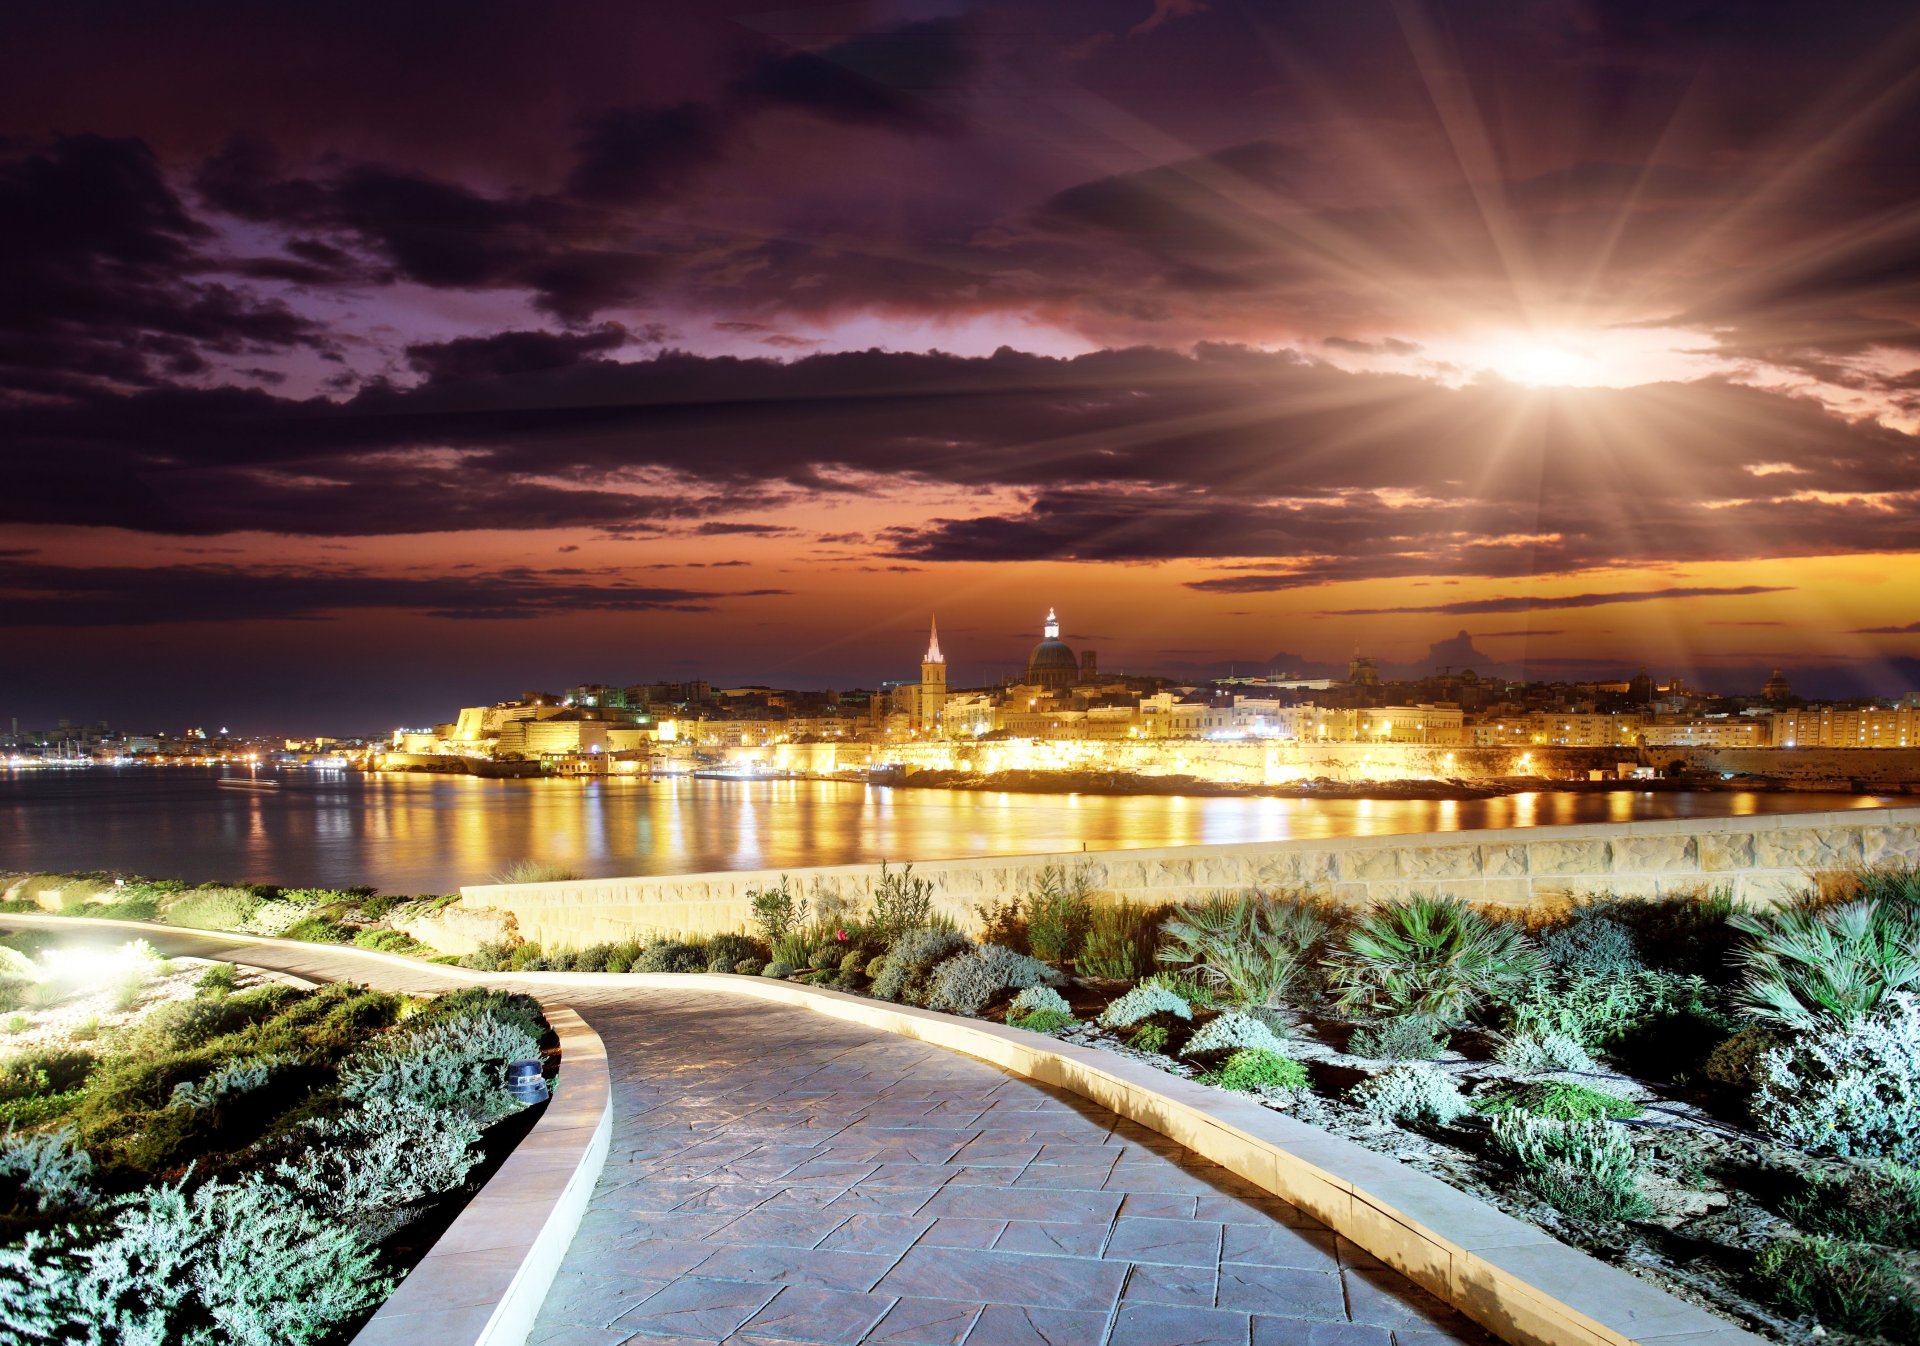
(1053, 662)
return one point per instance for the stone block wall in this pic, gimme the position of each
(1760, 859)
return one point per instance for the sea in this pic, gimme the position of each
(434, 833)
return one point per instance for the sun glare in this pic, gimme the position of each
(1546, 365)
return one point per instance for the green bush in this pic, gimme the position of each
(1412, 1093)
(1844, 1285)
(1120, 941)
(1411, 1037)
(1252, 948)
(218, 979)
(967, 982)
(1232, 1032)
(1685, 933)
(1003, 922)
(1736, 1059)
(1543, 1053)
(491, 956)
(749, 967)
(1182, 984)
(230, 1079)
(318, 930)
(536, 871)
(1151, 1038)
(1848, 1089)
(1808, 967)
(825, 959)
(1560, 1101)
(16, 1024)
(1599, 1011)
(1059, 913)
(777, 969)
(734, 948)
(513, 1008)
(1432, 956)
(777, 910)
(366, 1166)
(1587, 1169)
(1252, 1069)
(212, 908)
(901, 903)
(911, 961)
(1041, 1021)
(1590, 943)
(46, 1070)
(1869, 1203)
(389, 941)
(1039, 998)
(671, 955)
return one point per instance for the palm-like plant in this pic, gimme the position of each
(1252, 947)
(1435, 957)
(1809, 967)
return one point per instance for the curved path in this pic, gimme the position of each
(777, 1176)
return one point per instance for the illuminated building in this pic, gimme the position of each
(933, 684)
(1052, 665)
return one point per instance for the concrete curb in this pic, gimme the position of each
(1517, 1281)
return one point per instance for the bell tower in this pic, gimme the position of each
(933, 683)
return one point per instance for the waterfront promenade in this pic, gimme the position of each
(777, 1176)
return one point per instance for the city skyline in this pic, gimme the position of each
(364, 363)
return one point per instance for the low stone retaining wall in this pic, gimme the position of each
(1761, 859)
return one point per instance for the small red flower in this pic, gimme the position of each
(840, 935)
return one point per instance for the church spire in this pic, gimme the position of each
(933, 644)
(1052, 631)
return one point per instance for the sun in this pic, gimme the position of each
(1546, 364)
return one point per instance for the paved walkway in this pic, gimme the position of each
(782, 1177)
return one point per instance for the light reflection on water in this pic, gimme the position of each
(434, 833)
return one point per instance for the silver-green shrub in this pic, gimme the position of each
(911, 961)
(965, 983)
(777, 969)
(1412, 1093)
(1143, 1002)
(366, 1166)
(1543, 1053)
(1232, 1032)
(1252, 947)
(456, 1064)
(1410, 1037)
(1037, 1000)
(1591, 944)
(276, 918)
(47, 1169)
(212, 908)
(227, 1080)
(1432, 956)
(1848, 1089)
(1586, 1168)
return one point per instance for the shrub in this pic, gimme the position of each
(318, 930)
(1120, 940)
(901, 903)
(734, 948)
(536, 871)
(776, 910)
(1869, 1203)
(212, 908)
(456, 1065)
(719, 965)
(1252, 948)
(825, 960)
(525, 957)
(389, 941)
(383, 1155)
(1408, 1038)
(1844, 1285)
(232, 1262)
(1543, 1053)
(1003, 922)
(1183, 985)
(1150, 1038)
(277, 917)
(219, 978)
(49, 1070)
(1806, 967)
(1587, 1169)
(1599, 1011)
(510, 1007)
(876, 967)
(777, 969)
(1252, 1070)
(967, 982)
(749, 967)
(1682, 932)
(1736, 1059)
(17, 1023)
(491, 956)
(1849, 1090)
(1042, 1021)
(46, 1169)
(1560, 1101)
(1590, 943)
(671, 955)
(1412, 1093)
(1432, 956)
(851, 963)
(1059, 913)
(1232, 1032)
(1143, 1002)
(912, 960)
(229, 1079)
(1040, 997)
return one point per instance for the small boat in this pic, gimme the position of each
(246, 783)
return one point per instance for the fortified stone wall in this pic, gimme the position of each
(1761, 859)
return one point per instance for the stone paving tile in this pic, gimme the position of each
(779, 1179)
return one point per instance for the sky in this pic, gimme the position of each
(359, 361)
